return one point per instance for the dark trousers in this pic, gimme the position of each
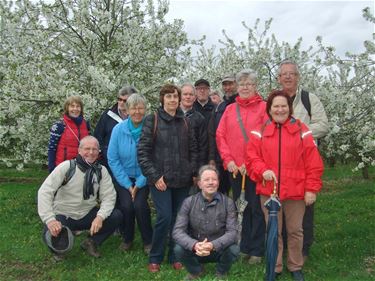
(253, 224)
(109, 224)
(224, 259)
(224, 183)
(308, 229)
(135, 210)
(167, 203)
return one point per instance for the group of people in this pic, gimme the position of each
(194, 157)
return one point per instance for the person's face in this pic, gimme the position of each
(229, 88)
(288, 78)
(279, 110)
(215, 99)
(208, 183)
(187, 97)
(171, 102)
(74, 109)
(246, 88)
(89, 150)
(121, 101)
(202, 92)
(136, 113)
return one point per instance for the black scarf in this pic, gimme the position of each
(90, 170)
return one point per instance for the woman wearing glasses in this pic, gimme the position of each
(245, 114)
(109, 119)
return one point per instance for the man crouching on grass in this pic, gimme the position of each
(66, 206)
(206, 228)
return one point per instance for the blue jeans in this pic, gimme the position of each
(167, 203)
(109, 224)
(132, 210)
(224, 259)
(253, 223)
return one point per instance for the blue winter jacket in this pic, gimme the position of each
(122, 157)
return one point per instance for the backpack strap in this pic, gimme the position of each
(306, 101)
(71, 171)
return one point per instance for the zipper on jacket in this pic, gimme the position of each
(279, 164)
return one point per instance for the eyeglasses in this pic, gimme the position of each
(139, 109)
(246, 85)
(201, 88)
(120, 99)
(286, 74)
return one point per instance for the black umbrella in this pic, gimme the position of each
(273, 205)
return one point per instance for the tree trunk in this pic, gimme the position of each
(365, 173)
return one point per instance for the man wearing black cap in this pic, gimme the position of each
(229, 86)
(203, 104)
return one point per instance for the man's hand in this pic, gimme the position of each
(54, 227)
(203, 248)
(96, 225)
(160, 184)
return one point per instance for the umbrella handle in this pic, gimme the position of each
(243, 182)
(274, 188)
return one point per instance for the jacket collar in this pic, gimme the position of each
(292, 125)
(167, 117)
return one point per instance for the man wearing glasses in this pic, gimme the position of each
(314, 116)
(203, 104)
(109, 119)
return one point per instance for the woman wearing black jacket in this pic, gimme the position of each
(167, 154)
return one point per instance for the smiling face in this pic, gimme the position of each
(136, 113)
(279, 110)
(246, 88)
(288, 78)
(74, 109)
(89, 149)
(208, 183)
(170, 102)
(202, 91)
(187, 97)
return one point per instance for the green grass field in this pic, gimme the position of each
(344, 246)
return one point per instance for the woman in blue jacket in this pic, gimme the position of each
(129, 181)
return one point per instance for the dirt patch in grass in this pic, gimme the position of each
(19, 180)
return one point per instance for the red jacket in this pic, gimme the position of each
(67, 147)
(301, 164)
(229, 138)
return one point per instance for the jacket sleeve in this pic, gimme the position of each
(221, 141)
(255, 165)
(211, 137)
(193, 149)
(180, 229)
(313, 163)
(202, 141)
(56, 131)
(114, 160)
(47, 191)
(145, 150)
(230, 235)
(99, 132)
(319, 121)
(107, 194)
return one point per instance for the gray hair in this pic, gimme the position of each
(215, 93)
(134, 100)
(126, 91)
(86, 139)
(207, 168)
(188, 85)
(247, 74)
(288, 61)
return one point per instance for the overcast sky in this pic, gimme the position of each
(340, 23)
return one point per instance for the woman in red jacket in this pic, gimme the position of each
(245, 114)
(66, 133)
(283, 151)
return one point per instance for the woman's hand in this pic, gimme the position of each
(232, 168)
(133, 191)
(269, 175)
(310, 198)
(160, 184)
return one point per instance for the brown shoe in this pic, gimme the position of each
(254, 260)
(125, 246)
(90, 247)
(147, 249)
(177, 266)
(153, 267)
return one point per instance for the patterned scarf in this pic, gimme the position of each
(90, 170)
